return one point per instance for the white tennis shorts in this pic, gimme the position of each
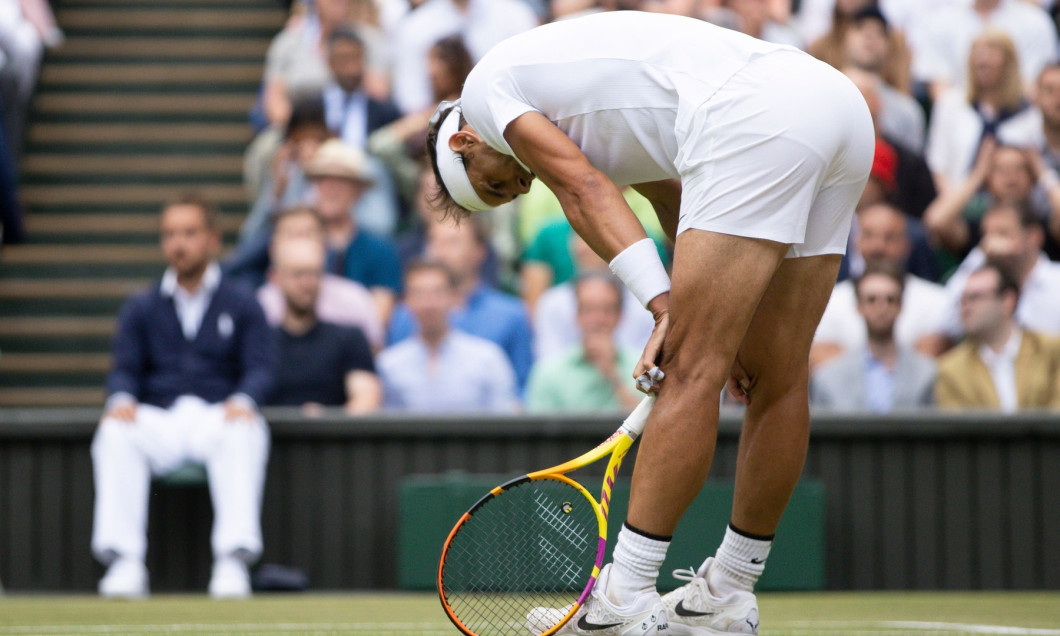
(780, 152)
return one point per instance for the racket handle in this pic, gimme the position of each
(633, 426)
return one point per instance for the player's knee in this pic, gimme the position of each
(706, 373)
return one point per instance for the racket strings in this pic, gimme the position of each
(521, 560)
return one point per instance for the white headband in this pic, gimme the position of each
(451, 166)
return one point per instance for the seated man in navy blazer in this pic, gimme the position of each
(193, 357)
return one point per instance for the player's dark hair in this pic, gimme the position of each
(441, 198)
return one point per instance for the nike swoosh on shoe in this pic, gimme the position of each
(681, 610)
(590, 627)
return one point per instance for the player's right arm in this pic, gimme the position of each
(598, 212)
(592, 203)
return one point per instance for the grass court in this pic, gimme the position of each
(419, 614)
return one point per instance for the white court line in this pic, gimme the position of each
(923, 626)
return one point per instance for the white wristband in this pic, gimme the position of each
(639, 267)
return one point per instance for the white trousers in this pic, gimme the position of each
(125, 456)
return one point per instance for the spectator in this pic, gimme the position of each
(753, 18)
(480, 310)
(439, 369)
(914, 188)
(556, 326)
(992, 106)
(483, 24)
(285, 184)
(831, 47)
(340, 301)
(1000, 365)
(321, 364)
(943, 41)
(412, 243)
(1047, 98)
(1002, 174)
(879, 191)
(867, 47)
(1012, 240)
(295, 67)
(881, 375)
(349, 110)
(883, 241)
(401, 144)
(193, 357)
(353, 115)
(296, 64)
(594, 374)
(337, 173)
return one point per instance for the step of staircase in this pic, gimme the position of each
(144, 101)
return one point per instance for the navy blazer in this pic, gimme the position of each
(233, 352)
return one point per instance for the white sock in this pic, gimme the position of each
(738, 562)
(637, 559)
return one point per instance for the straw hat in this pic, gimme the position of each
(337, 159)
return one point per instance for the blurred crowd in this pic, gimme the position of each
(966, 100)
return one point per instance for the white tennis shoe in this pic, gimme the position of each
(126, 578)
(694, 611)
(600, 617)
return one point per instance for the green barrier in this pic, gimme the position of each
(431, 504)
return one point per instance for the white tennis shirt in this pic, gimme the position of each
(622, 85)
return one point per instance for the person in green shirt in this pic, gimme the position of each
(592, 375)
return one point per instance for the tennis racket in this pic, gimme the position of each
(524, 558)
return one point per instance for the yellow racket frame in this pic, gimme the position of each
(617, 445)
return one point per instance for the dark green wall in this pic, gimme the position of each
(920, 501)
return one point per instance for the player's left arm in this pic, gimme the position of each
(592, 203)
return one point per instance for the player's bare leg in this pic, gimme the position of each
(709, 314)
(773, 363)
(775, 354)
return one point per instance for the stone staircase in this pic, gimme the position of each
(143, 101)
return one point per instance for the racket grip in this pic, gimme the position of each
(633, 426)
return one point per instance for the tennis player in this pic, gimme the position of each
(754, 156)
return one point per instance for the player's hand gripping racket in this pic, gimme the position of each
(534, 542)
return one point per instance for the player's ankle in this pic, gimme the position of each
(738, 562)
(638, 556)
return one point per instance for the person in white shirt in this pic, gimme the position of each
(942, 40)
(753, 156)
(992, 105)
(1001, 365)
(882, 239)
(440, 369)
(483, 23)
(1012, 239)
